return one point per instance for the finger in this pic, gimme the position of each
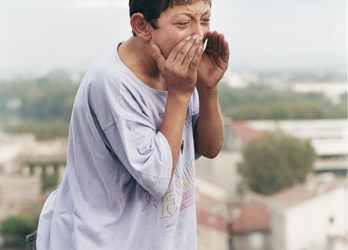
(220, 43)
(212, 40)
(215, 39)
(191, 53)
(196, 59)
(184, 51)
(219, 40)
(157, 55)
(187, 41)
(225, 51)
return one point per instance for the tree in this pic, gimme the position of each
(41, 131)
(276, 161)
(15, 228)
(262, 103)
(49, 181)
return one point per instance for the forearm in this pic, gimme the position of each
(209, 128)
(173, 124)
(179, 71)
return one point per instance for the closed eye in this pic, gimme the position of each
(183, 23)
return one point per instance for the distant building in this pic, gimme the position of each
(16, 151)
(240, 80)
(16, 193)
(332, 90)
(328, 137)
(240, 134)
(10, 147)
(311, 216)
(23, 161)
(250, 229)
(224, 171)
(275, 223)
(220, 178)
(211, 216)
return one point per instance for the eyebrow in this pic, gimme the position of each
(190, 14)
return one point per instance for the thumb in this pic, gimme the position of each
(157, 55)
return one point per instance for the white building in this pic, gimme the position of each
(211, 215)
(17, 193)
(311, 216)
(328, 137)
(222, 170)
(20, 169)
(240, 80)
(332, 90)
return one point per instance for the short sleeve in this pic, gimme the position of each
(131, 133)
(145, 154)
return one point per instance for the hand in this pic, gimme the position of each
(214, 61)
(180, 68)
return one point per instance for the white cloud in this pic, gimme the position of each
(93, 4)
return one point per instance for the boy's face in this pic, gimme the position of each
(179, 22)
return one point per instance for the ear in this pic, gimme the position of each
(140, 26)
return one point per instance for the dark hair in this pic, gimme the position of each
(152, 9)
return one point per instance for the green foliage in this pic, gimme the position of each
(276, 161)
(15, 228)
(42, 100)
(263, 103)
(41, 107)
(49, 182)
(46, 131)
(48, 100)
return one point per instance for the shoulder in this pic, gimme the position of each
(111, 90)
(105, 67)
(99, 91)
(106, 76)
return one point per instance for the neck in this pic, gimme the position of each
(137, 56)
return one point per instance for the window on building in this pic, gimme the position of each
(256, 241)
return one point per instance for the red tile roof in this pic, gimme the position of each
(203, 200)
(244, 132)
(211, 220)
(252, 218)
(303, 192)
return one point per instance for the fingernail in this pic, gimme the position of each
(195, 36)
(188, 38)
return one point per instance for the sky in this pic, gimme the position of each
(37, 36)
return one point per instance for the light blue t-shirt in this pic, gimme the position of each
(114, 194)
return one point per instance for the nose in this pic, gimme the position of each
(198, 30)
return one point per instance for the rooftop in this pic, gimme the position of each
(252, 218)
(306, 191)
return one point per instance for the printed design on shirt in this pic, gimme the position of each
(182, 195)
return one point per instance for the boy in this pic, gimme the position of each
(142, 114)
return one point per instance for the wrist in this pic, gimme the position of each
(207, 91)
(179, 98)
